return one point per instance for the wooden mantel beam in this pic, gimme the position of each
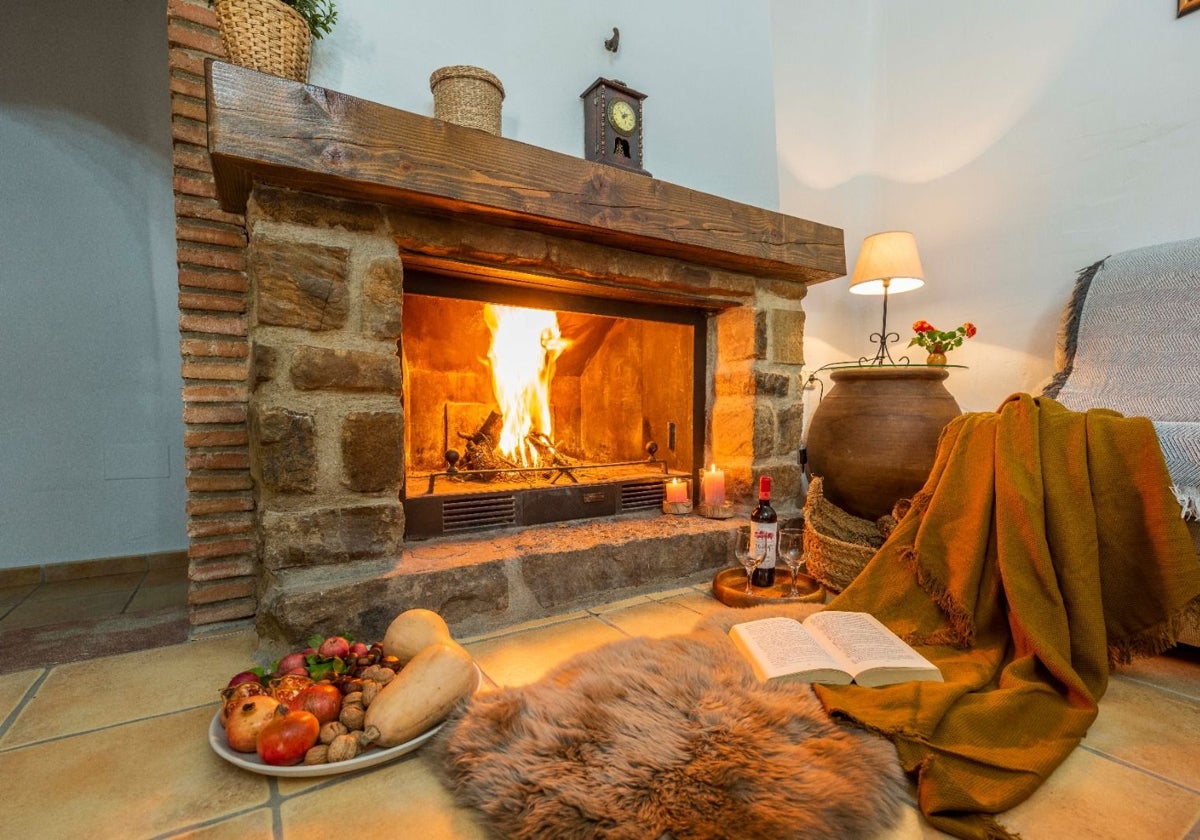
(264, 128)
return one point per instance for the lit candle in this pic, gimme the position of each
(713, 483)
(677, 491)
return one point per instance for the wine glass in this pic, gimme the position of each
(791, 548)
(750, 554)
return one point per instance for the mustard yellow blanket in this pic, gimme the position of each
(1044, 548)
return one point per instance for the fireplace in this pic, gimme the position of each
(609, 410)
(375, 240)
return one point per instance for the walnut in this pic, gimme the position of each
(331, 730)
(318, 754)
(352, 716)
(343, 748)
(370, 690)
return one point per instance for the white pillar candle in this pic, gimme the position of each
(713, 484)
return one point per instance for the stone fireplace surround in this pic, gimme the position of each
(339, 196)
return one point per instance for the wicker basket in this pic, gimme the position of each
(837, 545)
(469, 96)
(265, 35)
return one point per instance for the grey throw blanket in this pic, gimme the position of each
(1131, 342)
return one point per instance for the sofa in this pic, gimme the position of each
(1129, 340)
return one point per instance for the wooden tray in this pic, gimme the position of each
(729, 587)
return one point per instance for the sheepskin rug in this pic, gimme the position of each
(666, 738)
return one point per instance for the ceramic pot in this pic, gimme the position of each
(874, 436)
(936, 359)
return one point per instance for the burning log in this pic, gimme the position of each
(481, 452)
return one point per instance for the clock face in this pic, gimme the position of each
(622, 117)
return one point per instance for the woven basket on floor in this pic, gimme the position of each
(469, 96)
(265, 35)
(837, 545)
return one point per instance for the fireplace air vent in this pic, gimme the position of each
(472, 513)
(642, 496)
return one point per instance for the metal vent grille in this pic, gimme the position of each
(478, 512)
(642, 495)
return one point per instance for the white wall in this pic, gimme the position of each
(1019, 141)
(91, 436)
(705, 66)
(91, 461)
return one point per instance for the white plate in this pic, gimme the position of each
(371, 757)
(251, 761)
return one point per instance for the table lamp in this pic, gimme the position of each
(887, 263)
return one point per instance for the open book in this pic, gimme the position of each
(830, 647)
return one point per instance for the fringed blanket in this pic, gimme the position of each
(1129, 342)
(1043, 548)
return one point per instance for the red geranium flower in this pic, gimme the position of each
(922, 326)
(970, 328)
(936, 341)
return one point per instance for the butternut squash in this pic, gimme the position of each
(412, 631)
(422, 694)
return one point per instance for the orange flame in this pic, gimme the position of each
(525, 345)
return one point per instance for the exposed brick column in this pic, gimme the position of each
(210, 248)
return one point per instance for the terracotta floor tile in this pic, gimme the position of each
(655, 619)
(82, 696)
(86, 587)
(1092, 797)
(31, 613)
(13, 688)
(159, 597)
(253, 825)
(10, 596)
(521, 658)
(1177, 670)
(1151, 729)
(401, 799)
(136, 780)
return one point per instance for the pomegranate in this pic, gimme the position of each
(287, 688)
(324, 700)
(247, 719)
(231, 696)
(334, 646)
(285, 738)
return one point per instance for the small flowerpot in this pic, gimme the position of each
(936, 359)
(469, 96)
(265, 35)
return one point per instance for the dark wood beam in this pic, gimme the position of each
(268, 129)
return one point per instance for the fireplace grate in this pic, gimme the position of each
(472, 513)
(433, 516)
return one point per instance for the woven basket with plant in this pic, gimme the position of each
(273, 36)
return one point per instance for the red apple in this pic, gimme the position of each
(286, 738)
(334, 646)
(247, 720)
(291, 662)
(244, 677)
(359, 649)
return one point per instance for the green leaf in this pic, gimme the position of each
(314, 641)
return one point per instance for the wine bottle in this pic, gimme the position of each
(764, 525)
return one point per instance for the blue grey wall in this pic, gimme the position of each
(91, 437)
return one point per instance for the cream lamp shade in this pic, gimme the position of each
(888, 263)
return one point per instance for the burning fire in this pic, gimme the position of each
(525, 345)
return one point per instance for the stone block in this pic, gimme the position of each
(765, 440)
(286, 446)
(373, 450)
(264, 361)
(291, 207)
(299, 284)
(383, 296)
(331, 536)
(791, 428)
(364, 603)
(786, 328)
(767, 384)
(321, 368)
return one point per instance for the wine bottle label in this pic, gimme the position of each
(766, 540)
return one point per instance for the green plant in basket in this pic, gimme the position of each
(320, 15)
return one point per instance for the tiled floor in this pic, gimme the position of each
(60, 614)
(115, 747)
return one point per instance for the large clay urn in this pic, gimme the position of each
(874, 436)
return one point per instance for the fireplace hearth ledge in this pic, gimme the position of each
(484, 584)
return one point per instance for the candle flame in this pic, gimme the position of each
(525, 345)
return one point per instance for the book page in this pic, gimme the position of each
(779, 646)
(861, 642)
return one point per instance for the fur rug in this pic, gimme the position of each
(666, 738)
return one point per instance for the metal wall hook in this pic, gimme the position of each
(614, 43)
